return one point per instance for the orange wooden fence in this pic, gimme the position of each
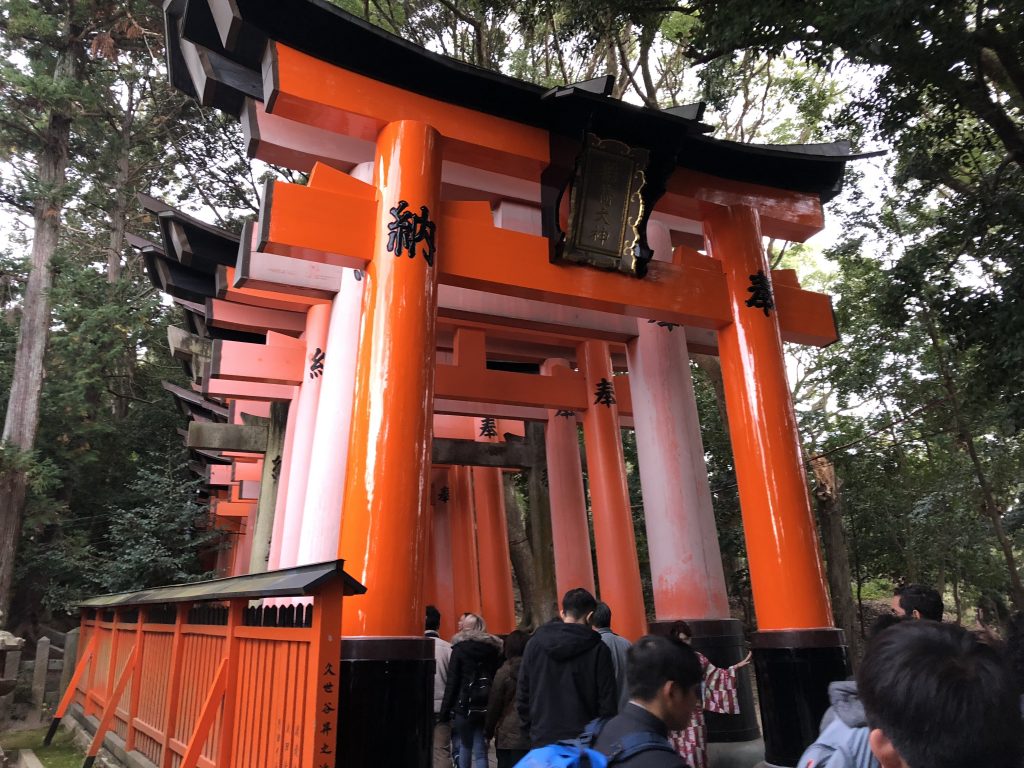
(203, 676)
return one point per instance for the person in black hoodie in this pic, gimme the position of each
(475, 658)
(566, 678)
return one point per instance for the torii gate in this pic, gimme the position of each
(454, 218)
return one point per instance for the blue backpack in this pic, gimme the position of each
(576, 753)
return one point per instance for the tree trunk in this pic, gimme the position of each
(22, 418)
(541, 537)
(118, 224)
(521, 554)
(829, 504)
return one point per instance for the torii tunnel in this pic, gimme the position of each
(477, 269)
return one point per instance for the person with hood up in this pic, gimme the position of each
(566, 678)
(475, 658)
(502, 722)
(843, 735)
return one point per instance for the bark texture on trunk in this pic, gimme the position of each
(22, 419)
(837, 566)
(521, 554)
(541, 537)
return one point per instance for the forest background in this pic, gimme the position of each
(912, 422)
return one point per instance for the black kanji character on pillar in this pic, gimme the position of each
(325, 750)
(275, 473)
(325, 728)
(760, 291)
(565, 413)
(488, 427)
(664, 324)
(605, 393)
(316, 368)
(444, 494)
(408, 229)
(327, 708)
(329, 670)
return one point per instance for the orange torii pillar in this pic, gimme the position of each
(382, 533)
(438, 588)
(682, 541)
(465, 556)
(686, 564)
(325, 484)
(570, 531)
(797, 651)
(492, 543)
(317, 320)
(614, 540)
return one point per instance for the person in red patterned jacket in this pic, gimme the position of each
(719, 695)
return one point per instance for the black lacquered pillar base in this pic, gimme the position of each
(722, 641)
(386, 707)
(794, 668)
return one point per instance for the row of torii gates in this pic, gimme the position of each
(419, 307)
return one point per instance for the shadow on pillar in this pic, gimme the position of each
(386, 706)
(722, 641)
(794, 668)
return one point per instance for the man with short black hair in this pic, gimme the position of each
(917, 601)
(937, 697)
(442, 656)
(617, 645)
(566, 678)
(664, 690)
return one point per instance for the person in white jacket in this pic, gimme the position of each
(442, 655)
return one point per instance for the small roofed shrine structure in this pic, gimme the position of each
(477, 269)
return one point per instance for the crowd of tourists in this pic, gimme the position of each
(927, 694)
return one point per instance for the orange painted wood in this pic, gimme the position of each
(76, 677)
(320, 730)
(465, 555)
(228, 721)
(245, 470)
(207, 713)
(110, 707)
(232, 508)
(786, 573)
(308, 90)
(382, 532)
(317, 225)
(219, 474)
(233, 288)
(241, 317)
(618, 572)
(248, 390)
(495, 565)
(136, 692)
(257, 362)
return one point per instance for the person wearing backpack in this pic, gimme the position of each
(502, 723)
(664, 691)
(476, 656)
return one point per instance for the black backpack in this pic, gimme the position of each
(476, 694)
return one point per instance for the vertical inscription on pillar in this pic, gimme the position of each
(760, 291)
(316, 367)
(407, 230)
(444, 494)
(605, 393)
(327, 718)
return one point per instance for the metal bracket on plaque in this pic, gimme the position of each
(606, 206)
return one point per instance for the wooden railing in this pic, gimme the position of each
(216, 682)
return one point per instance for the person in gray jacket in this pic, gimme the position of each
(618, 645)
(442, 655)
